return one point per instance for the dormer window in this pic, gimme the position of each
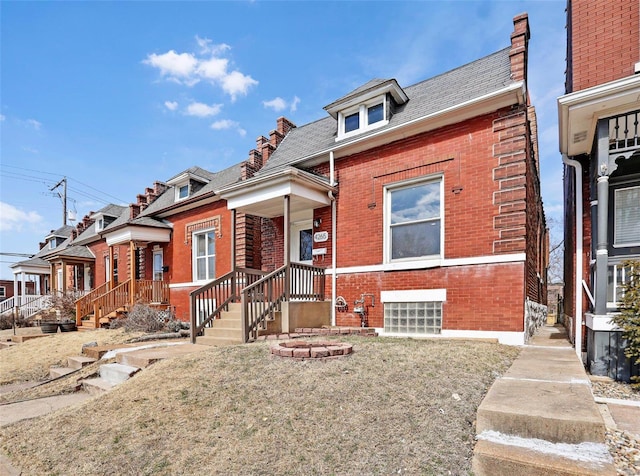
(186, 184)
(362, 117)
(100, 224)
(102, 221)
(52, 244)
(182, 191)
(367, 107)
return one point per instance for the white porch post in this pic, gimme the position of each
(287, 251)
(23, 288)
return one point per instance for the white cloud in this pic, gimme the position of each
(294, 104)
(236, 83)
(2, 117)
(208, 65)
(225, 124)
(199, 109)
(14, 219)
(30, 150)
(171, 105)
(277, 104)
(176, 66)
(35, 124)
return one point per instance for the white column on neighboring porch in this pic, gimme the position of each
(15, 288)
(23, 290)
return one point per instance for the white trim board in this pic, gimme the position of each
(503, 337)
(433, 263)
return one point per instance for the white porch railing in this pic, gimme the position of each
(28, 305)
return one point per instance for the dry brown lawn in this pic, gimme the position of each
(395, 406)
(31, 360)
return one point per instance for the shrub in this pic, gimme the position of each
(142, 318)
(629, 318)
(66, 304)
(6, 321)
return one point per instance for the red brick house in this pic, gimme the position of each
(420, 205)
(600, 145)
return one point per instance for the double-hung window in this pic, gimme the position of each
(204, 255)
(414, 220)
(626, 229)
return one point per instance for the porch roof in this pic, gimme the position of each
(263, 195)
(579, 112)
(31, 266)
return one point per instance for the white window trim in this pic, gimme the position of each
(615, 224)
(100, 224)
(414, 295)
(3, 291)
(387, 218)
(178, 186)
(194, 270)
(361, 109)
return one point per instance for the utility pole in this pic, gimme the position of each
(62, 182)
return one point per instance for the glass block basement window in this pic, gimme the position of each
(413, 317)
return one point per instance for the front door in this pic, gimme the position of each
(302, 242)
(158, 263)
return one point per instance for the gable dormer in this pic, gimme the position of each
(187, 184)
(102, 220)
(366, 108)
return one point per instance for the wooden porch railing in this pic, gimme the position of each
(264, 297)
(84, 305)
(208, 301)
(152, 291)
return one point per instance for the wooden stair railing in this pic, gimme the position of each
(264, 297)
(111, 301)
(208, 301)
(84, 305)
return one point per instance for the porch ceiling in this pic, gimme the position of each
(578, 112)
(263, 196)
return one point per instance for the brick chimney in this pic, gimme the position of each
(265, 147)
(519, 47)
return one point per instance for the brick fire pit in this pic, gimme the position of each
(303, 350)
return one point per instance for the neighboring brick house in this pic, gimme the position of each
(600, 144)
(421, 203)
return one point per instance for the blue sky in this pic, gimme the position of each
(116, 95)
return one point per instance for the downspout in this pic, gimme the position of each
(579, 259)
(334, 240)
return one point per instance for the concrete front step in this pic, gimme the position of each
(532, 457)
(117, 373)
(552, 411)
(216, 341)
(6, 345)
(96, 386)
(57, 372)
(232, 332)
(144, 357)
(78, 361)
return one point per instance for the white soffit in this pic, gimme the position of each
(578, 112)
(138, 233)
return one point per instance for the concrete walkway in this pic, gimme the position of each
(541, 417)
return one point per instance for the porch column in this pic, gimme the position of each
(64, 276)
(15, 289)
(37, 284)
(602, 251)
(233, 239)
(111, 268)
(132, 273)
(54, 277)
(23, 290)
(287, 251)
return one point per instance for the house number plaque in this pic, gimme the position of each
(320, 236)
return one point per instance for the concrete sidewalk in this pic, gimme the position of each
(541, 417)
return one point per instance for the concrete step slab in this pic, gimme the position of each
(25, 338)
(78, 361)
(145, 357)
(560, 365)
(217, 341)
(57, 372)
(117, 373)
(232, 332)
(6, 345)
(540, 459)
(96, 386)
(552, 411)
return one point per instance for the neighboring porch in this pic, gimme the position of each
(247, 303)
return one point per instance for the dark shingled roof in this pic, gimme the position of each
(90, 232)
(465, 83)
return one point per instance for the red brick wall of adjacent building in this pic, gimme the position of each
(604, 41)
(178, 254)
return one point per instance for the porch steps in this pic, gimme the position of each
(540, 418)
(224, 331)
(110, 375)
(73, 363)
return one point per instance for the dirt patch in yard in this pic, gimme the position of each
(395, 406)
